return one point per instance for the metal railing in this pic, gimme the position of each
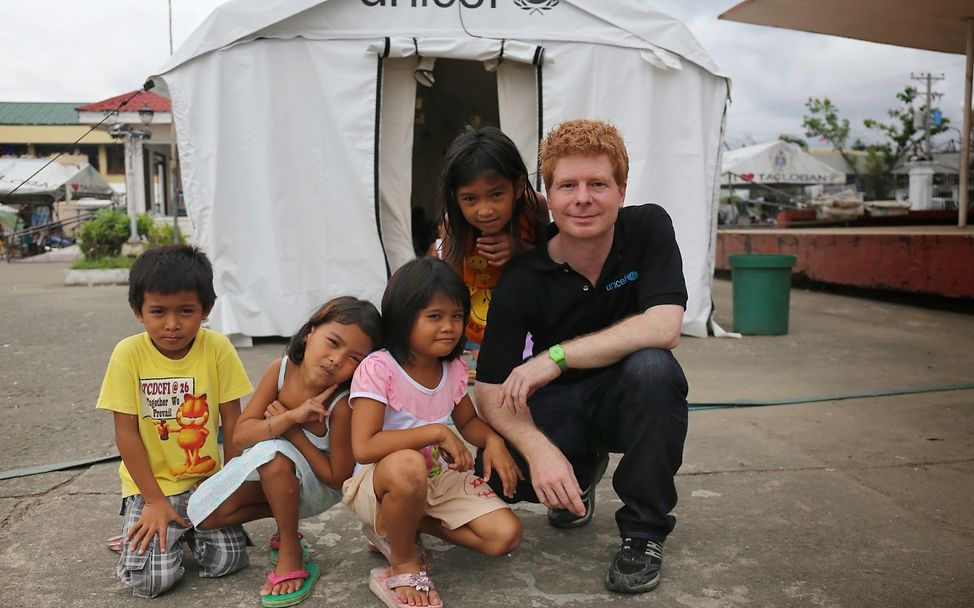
(20, 242)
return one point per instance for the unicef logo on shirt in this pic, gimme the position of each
(629, 277)
(536, 6)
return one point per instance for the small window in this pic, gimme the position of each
(92, 153)
(13, 149)
(115, 154)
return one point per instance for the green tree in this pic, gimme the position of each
(792, 139)
(823, 121)
(897, 138)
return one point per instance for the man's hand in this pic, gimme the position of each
(553, 478)
(154, 520)
(496, 249)
(524, 380)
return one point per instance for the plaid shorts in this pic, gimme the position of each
(219, 552)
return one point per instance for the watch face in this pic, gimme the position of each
(557, 354)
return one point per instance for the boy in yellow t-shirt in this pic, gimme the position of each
(169, 387)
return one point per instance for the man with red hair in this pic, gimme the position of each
(603, 301)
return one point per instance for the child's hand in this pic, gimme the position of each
(313, 409)
(154, 520)
(275, 408)
(498, 459)
(496, 248)
(459, 455)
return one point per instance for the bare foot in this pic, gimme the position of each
(410, 595)
(290, 558)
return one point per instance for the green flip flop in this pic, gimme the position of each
(310, 575)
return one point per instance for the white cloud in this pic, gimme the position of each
(774, 71)
(62, 50)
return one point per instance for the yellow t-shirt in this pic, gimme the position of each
(177, 402)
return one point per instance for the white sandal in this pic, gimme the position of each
(381, 544)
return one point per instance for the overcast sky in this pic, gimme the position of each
(88, 50)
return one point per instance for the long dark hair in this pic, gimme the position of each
(409, 291)
(474, 153)
(345, 310)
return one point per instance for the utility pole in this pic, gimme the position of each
(174, 186)
(929, 78)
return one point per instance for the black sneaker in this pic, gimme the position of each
(565, 519)
(636, 568)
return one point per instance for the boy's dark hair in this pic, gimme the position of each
(345, 310)
(474, 153)
(409, 291)
(171, 269)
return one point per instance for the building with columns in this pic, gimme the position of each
(41, 129)
(142, 123)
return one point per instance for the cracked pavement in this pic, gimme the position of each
(861, 502)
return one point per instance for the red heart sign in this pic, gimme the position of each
(74, 187)
(747, 176)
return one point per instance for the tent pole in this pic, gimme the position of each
(965, 154)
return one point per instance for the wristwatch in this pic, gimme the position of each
(557, 354)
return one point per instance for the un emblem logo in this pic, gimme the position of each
(536, 6)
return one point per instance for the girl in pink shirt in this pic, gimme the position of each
(414, 473)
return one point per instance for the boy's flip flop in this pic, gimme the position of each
(305, 556)
(310, 576)
(384, 586)
(275, 540)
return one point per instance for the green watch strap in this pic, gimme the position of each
(557, 354)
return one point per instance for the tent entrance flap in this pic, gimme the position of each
(463, 94)
(426, 103)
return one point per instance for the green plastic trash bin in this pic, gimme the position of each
(762, 287)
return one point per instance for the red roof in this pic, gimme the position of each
(156, 103)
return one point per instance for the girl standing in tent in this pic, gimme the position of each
(415, 472)
(492, 214)
(295, 463)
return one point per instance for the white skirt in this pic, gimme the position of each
(316, 497)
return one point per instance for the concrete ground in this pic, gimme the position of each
(862, 502)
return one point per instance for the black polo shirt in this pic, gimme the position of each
(554, 303)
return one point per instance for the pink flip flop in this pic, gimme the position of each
(384, 586)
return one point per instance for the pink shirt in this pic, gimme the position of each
(410, 404)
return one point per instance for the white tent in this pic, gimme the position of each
(55, 182)
(777, 162)
(304, 139)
